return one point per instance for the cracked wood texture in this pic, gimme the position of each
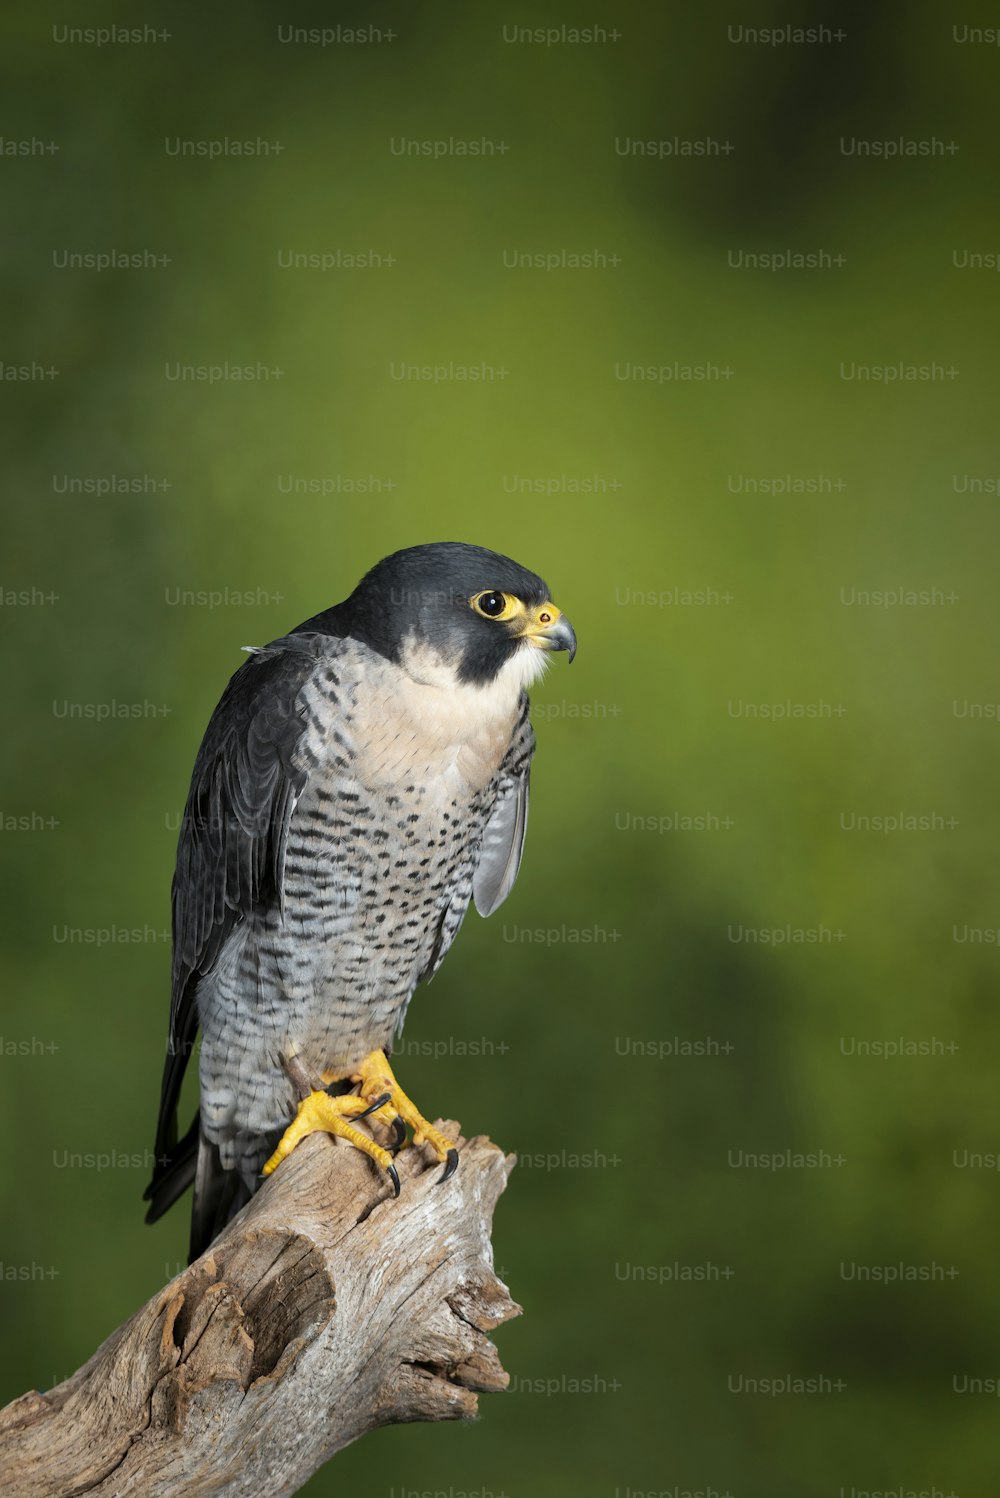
(325, 1310)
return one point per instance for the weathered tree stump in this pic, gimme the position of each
(326, 1309)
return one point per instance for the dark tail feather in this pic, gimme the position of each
(173, 1174)
(218, 1196)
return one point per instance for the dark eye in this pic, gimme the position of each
(495, 605)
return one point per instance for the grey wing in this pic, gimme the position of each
(498, 857)
(503, 838)
(230, 853)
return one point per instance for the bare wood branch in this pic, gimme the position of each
(325, 1310)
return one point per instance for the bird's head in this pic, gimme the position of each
(449, 612)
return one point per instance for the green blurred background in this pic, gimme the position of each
(699, 594)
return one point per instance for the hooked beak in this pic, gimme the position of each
(548, 629)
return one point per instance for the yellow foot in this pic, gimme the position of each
(321, 1112)
(377, 1082)
(379, 1097)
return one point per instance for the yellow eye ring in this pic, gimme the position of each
(492, 604)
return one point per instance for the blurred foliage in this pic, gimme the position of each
(647, 725)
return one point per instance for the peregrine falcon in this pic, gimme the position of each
(362, 778)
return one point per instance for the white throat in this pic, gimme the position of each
(490, 700)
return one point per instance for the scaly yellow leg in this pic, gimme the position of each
(321, 1112)
(381, 1098)
(376, 1078)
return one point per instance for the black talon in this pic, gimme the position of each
(450, 1166)
(390, 1171)
(379, 1102)
(398, 1134)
